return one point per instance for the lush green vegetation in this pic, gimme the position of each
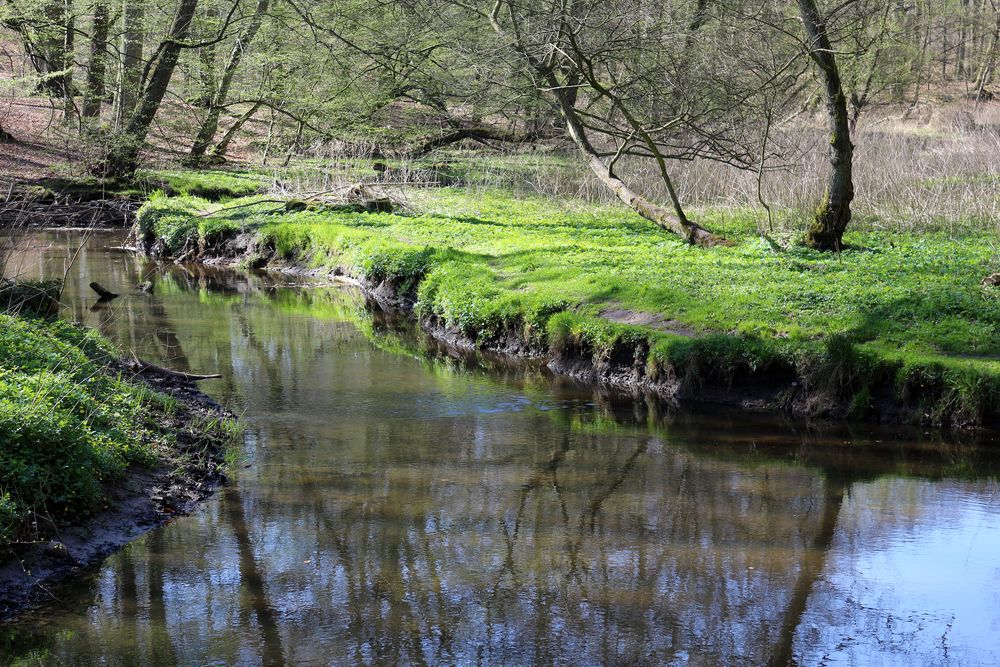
(214, 185)
(70, 423)
(906, 310)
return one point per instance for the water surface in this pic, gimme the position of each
(404, 505)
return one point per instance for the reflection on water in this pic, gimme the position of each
(404, 509)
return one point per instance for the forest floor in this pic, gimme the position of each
(92, 454)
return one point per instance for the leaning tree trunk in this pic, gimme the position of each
(133, 17)
(211, 125)
(674, 221)
(826, 231)
(219, 152)
(123, 157)
(97, 67)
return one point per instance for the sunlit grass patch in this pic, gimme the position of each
(548, 270)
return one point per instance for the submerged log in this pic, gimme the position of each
(144, 367)
(104, 294)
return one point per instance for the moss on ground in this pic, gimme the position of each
(71, 421)
(907, 310)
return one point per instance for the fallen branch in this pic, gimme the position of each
(143, 367)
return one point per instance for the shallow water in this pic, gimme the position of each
(404, 505)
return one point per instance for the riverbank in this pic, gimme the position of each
(896, 328)
(89, 203)
(92, 453)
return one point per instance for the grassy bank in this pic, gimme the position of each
(74, 422)
(895, 318)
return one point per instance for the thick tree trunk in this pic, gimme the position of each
(124, 155)
(211, 125)
(97, 67)
(826, 231)
(54, 59)
(133, 17)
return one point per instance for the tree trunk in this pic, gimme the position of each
(211, 125)
(97, 67)
(219, 152)
(985, 76)
(826, 230)
(674, 221)
(124, 155)
(206, 56)
(54, 61)
(68, 61)
(133, 17)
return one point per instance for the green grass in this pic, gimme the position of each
(909, 308)
(69, 424)
(208, 184)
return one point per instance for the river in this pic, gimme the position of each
(401, 503)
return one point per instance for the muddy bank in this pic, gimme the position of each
(30, 574)
(109, 213)
(65, 204)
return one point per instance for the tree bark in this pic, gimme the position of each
(124, 155)
(211, 125)
(206, 57)
(826, 231)
(133, 17)
(97, 67)
(54, 61)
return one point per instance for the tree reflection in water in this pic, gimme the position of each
(402, 510)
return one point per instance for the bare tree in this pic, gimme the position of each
(644, 81)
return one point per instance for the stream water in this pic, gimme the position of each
(401, 504)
